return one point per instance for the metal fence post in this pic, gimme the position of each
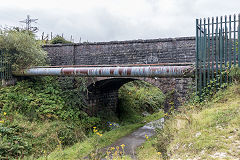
(217, 50)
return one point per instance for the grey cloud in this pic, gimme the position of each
(100, 24)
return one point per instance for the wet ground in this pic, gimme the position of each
(137, 138)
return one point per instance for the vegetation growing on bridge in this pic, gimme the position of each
(59, 40)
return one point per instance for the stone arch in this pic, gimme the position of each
(103, 92)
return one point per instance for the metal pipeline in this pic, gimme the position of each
(141, 71)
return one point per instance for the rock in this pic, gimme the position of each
(219, 155)
(198, 134)
(145, 114)
(230, 137)
(155, 124)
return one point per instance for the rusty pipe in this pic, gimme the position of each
(141, 71)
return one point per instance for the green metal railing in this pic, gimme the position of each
(5, 66)
(217, 49)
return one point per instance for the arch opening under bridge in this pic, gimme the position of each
(103, 92)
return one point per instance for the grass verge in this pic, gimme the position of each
(207, 131)
(84, 148)
(147, 151)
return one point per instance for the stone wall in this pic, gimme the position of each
(170, 50)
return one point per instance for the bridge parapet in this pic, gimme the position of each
(167, 50)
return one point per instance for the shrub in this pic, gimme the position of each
(22, 50)
(235, 73)
(59, 40)
(51, 114)
(42, 98)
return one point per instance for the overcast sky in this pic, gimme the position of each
(108, 20)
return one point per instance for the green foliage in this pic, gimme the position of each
(202, 133)
(201, 129)
(81, 150)
(136, 97)
(164, 137)
(59, 40)
(72, 90)
(36, 138)
(93, 143)
(51, 112)
(235, 74)
(11, 144)
(147, 151)
(47, 114)
(214, 86)
(55, 135)
(23, 51)
(42, 98)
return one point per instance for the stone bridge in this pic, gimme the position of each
(103, 91)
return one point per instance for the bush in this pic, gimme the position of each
(42, 98)
(20, 138)
(22, 50)
(59, 40)
(56, 134)
(235, 73)
(51, 114)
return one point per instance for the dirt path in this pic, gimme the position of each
(135, 139)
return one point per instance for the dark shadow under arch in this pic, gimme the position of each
(109, 84)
